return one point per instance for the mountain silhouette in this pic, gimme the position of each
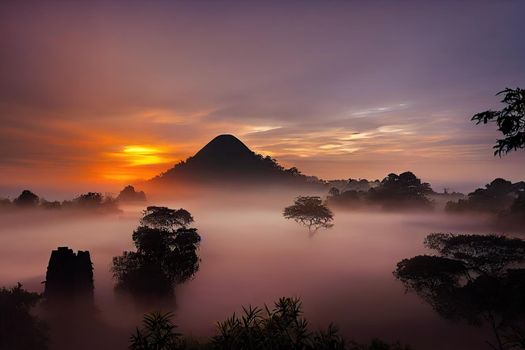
(227, 159)
(225, 151)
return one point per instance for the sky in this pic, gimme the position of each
(95, 95)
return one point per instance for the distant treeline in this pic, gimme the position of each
(501, 198)
(403, 191)
(94, 201)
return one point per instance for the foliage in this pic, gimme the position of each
(346, 199)
(501, 198)
(496, 196)
(27, 199)
(483, 254)
(404, 189)
(166, 253)
(510, 121)
(310, 212)
(49, 204)
(165, 218)
(128, 194)
(334, 192)
(90, 201)
(95, 201)
(157, 333)
(282, 327)
(18, 328)
(474, 278)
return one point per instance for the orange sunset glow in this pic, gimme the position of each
(118, 103)
(262, 175)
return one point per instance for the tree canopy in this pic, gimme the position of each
(510, 121)
(166, 253)
(128, 194)
(405, 189)
(310, 212)
(165, 218)
(18, 328)
(476, 278)
(27, 199)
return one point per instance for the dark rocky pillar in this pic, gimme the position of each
(69, 274)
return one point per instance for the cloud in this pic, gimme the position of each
(312, 85)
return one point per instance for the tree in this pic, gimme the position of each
(166, 253)
(18, 328)
(334, 192)
(474, 278)
(502, 198)
(27, 199)
(403, 190)
(128, 194)
(310, 212)
(89, 200)
(510, 121)
(165, 218)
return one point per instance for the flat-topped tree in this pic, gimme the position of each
(477, 278)
(164, 218)
(310, 212)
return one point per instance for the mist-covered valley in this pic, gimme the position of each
(249, 255)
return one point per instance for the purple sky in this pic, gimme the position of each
(337, 88)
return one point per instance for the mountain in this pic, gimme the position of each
(226, 159)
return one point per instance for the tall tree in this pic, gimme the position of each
(166, 253)
(476, 278)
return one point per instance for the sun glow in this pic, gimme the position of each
(144, 155)
(136, 162)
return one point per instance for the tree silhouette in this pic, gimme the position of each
(403, 190)
(128, 194)
(510, 121)
(502, 198)
(474, 278)
(310, 212)
(18, 328)
(166, 253)
(27, 199)
(165, 218)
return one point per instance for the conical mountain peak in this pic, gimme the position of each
(226, 159)
(224, 146)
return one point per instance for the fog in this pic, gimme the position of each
(250, 255)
